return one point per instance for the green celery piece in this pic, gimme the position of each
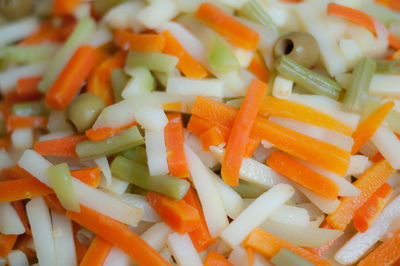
(118, 82)
(102, 6)
(392, 119)
(28, 54)
(253, 11)
(30, 108)
(221, 57)
(126, 139)
(248, 190)
(82, 33)
(138, 175)
(309, 80)
(136, 154)
(356, 95)
(3, 130)
(388, 66)
(285, 257)
(61, 182)
(154, 61)
(143, 82)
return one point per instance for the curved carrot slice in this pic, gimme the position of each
(17, 122)
(24, 188)
(64, 147)
(212, 137)
(258, 68)
(97, 252)
(127, 40)
(89, 176)
(106, 132)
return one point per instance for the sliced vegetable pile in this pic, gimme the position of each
(221, 132)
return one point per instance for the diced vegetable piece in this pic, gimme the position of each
(221, 57)
(152, 60)
(136, 154)
(85, 28)
(282, 87)
(183, 250)
(30, 108)
(124, 140)
(253, 11)
(356, 95)
(141, 82)
(118, 81)
(61, 182)
(138, 175)
(286, 257)
(312, 81)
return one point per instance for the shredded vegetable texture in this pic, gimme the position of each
(199, 132)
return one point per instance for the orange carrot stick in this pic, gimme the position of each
(99, 79)
(187, 64)
(174, 140)
(28, 87)
(228, 26)
(212, 137)
(200, 236)
(6, 244)
(64, 147)
(14, 172)
(127, 40)
(20, 209)
(71, 78)
(89, 176)
(97, 252)
(250, 256)
(106, 132)
(258, 68)
(367, 128)
(394, 41)
(119, 235)
(80, 247)
(179, 215)
(198, 126)
(302, 175)
(18, 122)
(4, 144)
(353, 15)
(368, 183)
(386, 254)
(269, 245)
(54, 204)
(24, 188)
(215, 259)
(240, 133)
(180, 107)
(62, 7)
(297, 111)
(251, 146)
(365, 216)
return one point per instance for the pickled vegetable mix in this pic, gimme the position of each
(199, 132)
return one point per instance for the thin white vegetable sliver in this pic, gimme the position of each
(36, 165)
(18, 30)
(102, 163)
(5, 159)
(152, 118)
(10, 223)
(149, 215)
(388, 145)
(384, 85)
(362, 242)
(22, 138)
(101, 36)
(124, 16)
(238, 256)
(39, 220)
(256, 213)
(324, 204)
(210, 199)
(292, 215)
(232, 201)
(157, 235)
(358, 164)
(116, 257)
(64, 242)
(189, 86)
(183, 250)
(195, 144)
(156, 153)
(158, 13)
(17, 258)
(282, 87)
(117, 186)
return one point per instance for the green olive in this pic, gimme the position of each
(298, 46)
(84, 110)
(15, 9)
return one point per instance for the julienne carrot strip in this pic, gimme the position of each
(18, 122)
(106, 132)
(54, 204)
(28, 87)
(212, 137)
(61, 7)
(24, 188)
(7, 242)
(240, 132)
(228, 26)
(251, 146)
(97, 252)
(269, 245)
(14, 172)
(258, 68)
(386, 254)
(201, 237)
(297, 111)
(365, 216)
(376, 158)
(174, 140)
(89, 176)
(312, 150)
(20, 209)
(99, 80)
(179, 215)
(127, 40)
(22, 244)
(187, 64)
(368, 183)
(71, 78)
(353, 15)
(80, 248)
(198, 125)
(367, 128)
(64, 147)
(180, 107)
(215, 259)
(119, 235)
(250, 256)
(302, 175)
